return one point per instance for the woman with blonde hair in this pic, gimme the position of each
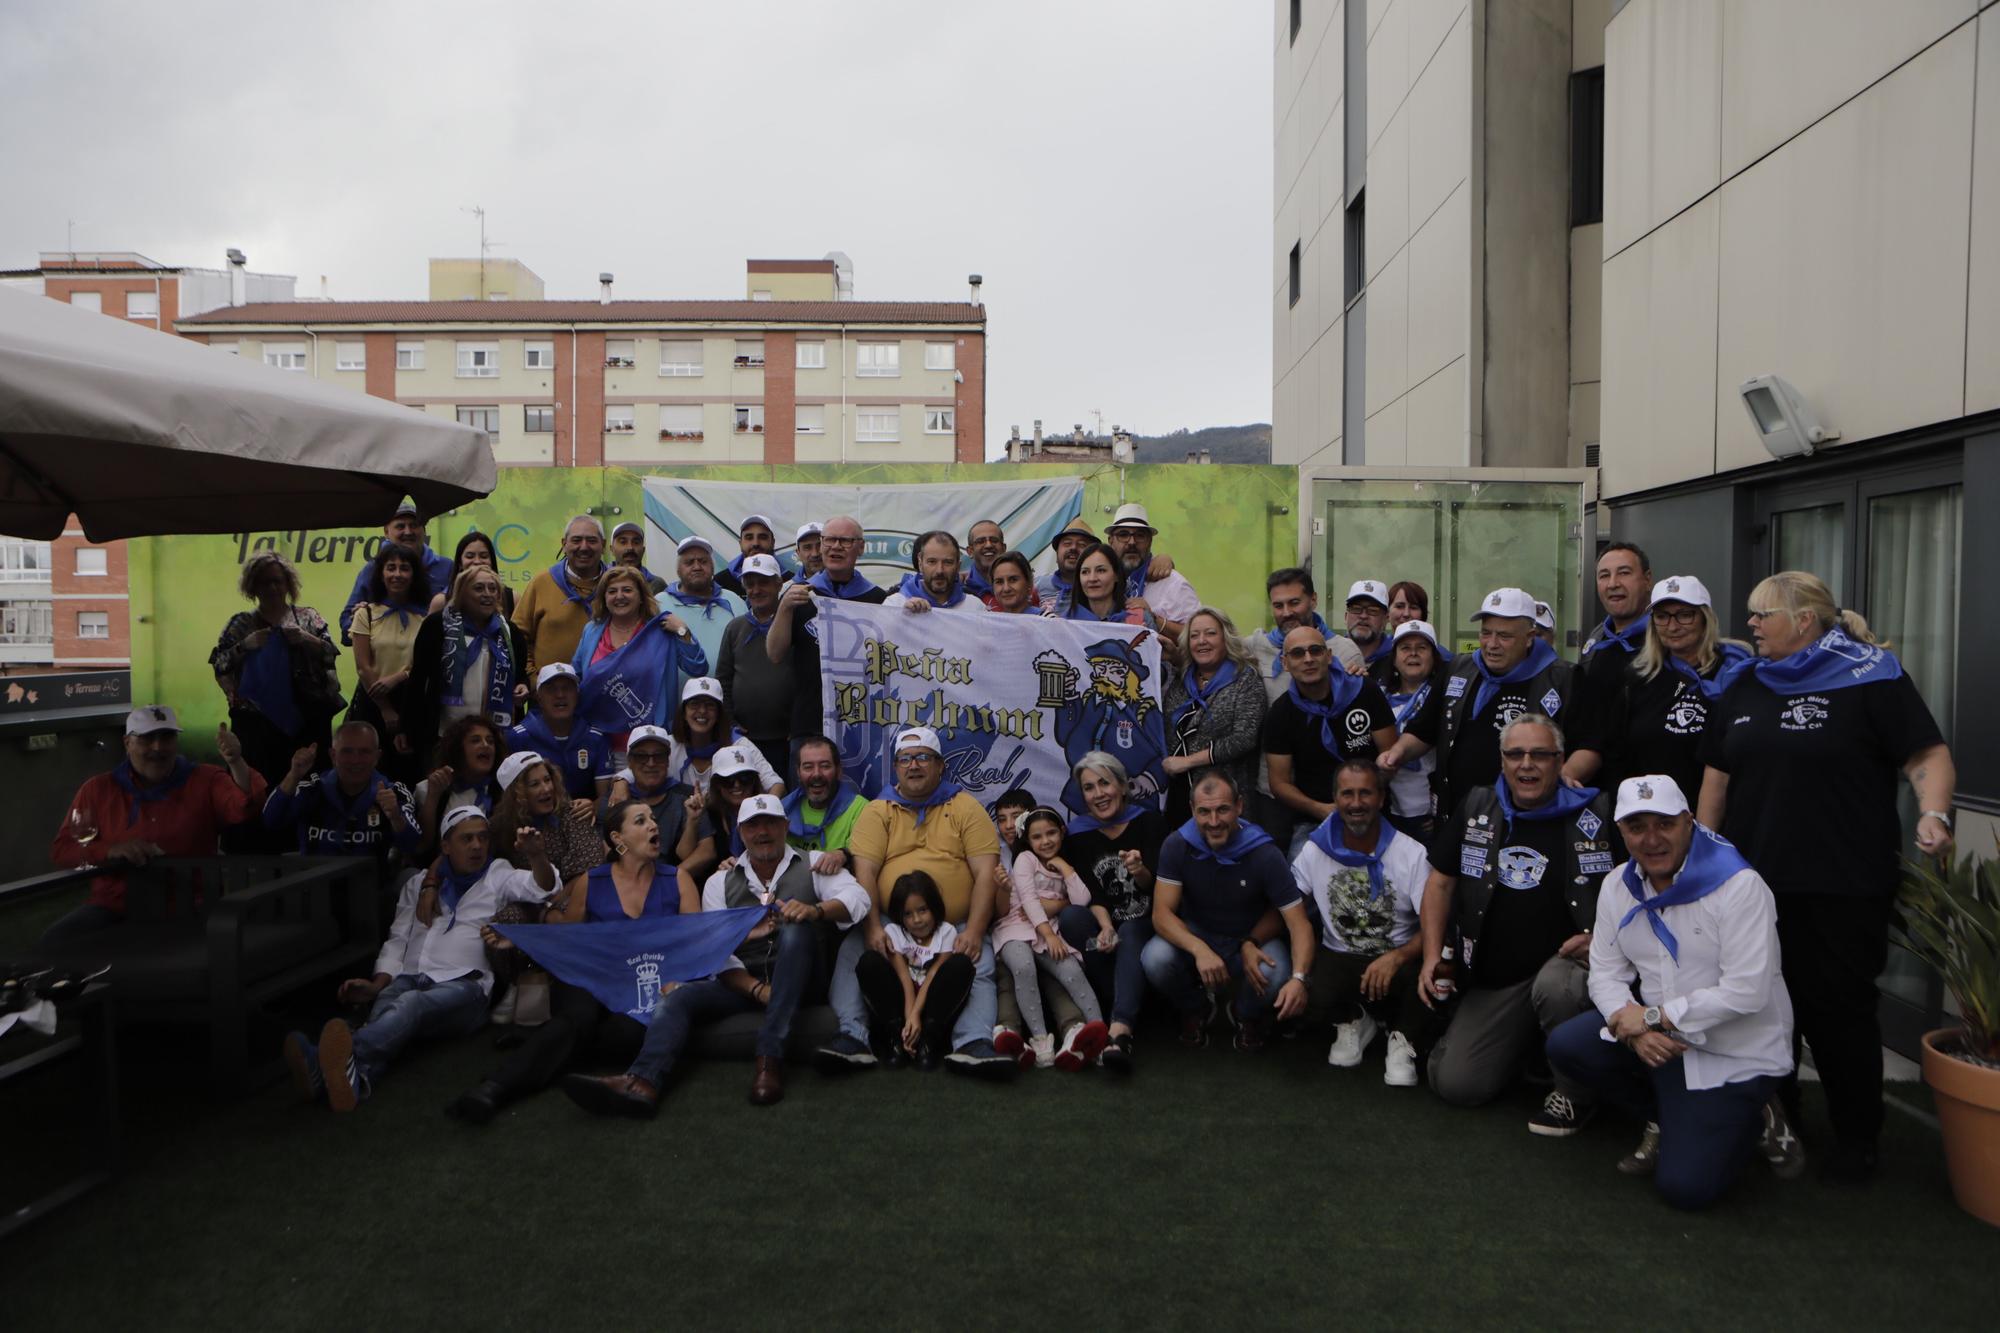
(468, 660)
(631, 660)
(1802, 759)
(1214, 709)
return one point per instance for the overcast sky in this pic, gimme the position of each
(1105, 165)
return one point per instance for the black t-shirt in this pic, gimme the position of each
(1098, 864)
(1649, 726)
(1474, 760)
(1288, 731)
(1528, 918)
(807, 716)
(1813, 779)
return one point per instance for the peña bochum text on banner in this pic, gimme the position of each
(1015, 700)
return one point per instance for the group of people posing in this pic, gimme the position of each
(1641, 878)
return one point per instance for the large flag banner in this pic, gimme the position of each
(1015, 700)
(624, 963)
(1031, 513)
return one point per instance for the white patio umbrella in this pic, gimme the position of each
(138, 432)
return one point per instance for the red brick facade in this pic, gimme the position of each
(781, 396)
(76, 595)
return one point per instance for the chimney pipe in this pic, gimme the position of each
(604, 289)
(1038, 434)
(976, 280)
(238, 282)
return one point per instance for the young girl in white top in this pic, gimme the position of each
(914, 995)
(1028, 942)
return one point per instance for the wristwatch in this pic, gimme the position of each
(1302, 979)
(1653, 1019)
(1943, 816)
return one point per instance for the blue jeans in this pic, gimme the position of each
(1120, 976)
(697, 1003)
(975, 1021)
(1706, 1136)
(411, 1007)
(1171, 971)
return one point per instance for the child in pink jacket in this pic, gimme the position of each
(1028, 943)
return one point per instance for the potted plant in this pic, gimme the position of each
(1950, 919)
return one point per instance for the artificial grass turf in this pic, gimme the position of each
(1213, 1189)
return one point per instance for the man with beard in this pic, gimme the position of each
(628, 547)
(936, 584)
(1169, 596)
(1294, 602)
(755, 536)
(823, 806)
(985, 543)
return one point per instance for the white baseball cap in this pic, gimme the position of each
(919, 738)
(1544, 617)
(809, 530)
(1371, 589)
(149, 718)
(639, 735)
(701, 687)
(628, 523)
(748, 519)
(1422, 627)
(731, 760)
(760, 806)
(1131, 516)
(1683, 588)
(689, 543)
(516, 764)
(457, 815)
(554, 671)
(767, 565)
(1508, 602)
(1654, 794)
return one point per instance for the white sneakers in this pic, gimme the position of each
(1044, 1048)
(1401, 1069)
(1350, 1040)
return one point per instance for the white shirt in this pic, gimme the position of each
(1172, 598)
(1725, 995)
(969, 603)
(680, 766)
(1351, 922)
(450, 946)
(920, 956)
(840, 887)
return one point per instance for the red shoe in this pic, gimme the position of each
(1081, 1045)
(1014, 1046)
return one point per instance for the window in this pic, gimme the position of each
(1586, 147)
(539, 420)
(749, 418)
(1292, 267)
(142, 305)
(87, 300)
(884, 360)
(618, 418)
(940, 356)
(680, 421)
(879, 425)
(538, 356)
(23, 561)
(749, 352)
(760, 296)
(812, 356)
(1354, 96)
(93, 624)
(1298, 19)
(620, 352)
(1356, 247)
(27, 622)
(285, 356)
(90, 562)
(350, 356)
(478, 361)
(812, 418)
(682, 357)
(940, 421)
(409, 356)
(480, 418)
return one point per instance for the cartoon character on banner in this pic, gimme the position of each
(1114, 715)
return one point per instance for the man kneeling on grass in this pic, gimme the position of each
(1218, 878)
(429, 978)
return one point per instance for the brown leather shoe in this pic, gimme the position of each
(616, 1094)
(768, 1087)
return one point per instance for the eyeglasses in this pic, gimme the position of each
(912, 758)
(1307, 650)
(648, 759)
(1539, 756)
(825, 541)
(1677, 615)
(1766, 615)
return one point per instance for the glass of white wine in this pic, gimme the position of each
(82, 827)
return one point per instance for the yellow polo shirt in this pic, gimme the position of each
(888, 833)
(550, 622)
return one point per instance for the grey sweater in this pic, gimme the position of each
(1231, 727)
(757, 693)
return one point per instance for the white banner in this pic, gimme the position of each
(1029, 512)
(1016, 700)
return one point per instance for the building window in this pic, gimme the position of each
(749, 418)
(409, 356)
(749, 352)
(478, 361)
(142, 305)
(681, 357)
(878, 425)
(481, 418)
(350, 356)
(621, 353)
(23, 561)
(87, 301)
(1356, 249)
(618, 418)
(680, 421)
(93, 624)
(812, 356)
(940, 421)
(27, 622)
(881, 360)
(538, 356)
(90, 562)
(760, 295)
(285, 356)
(811, 418)
(1586, 147)
(1298, 19)
(940, 356)
(1292, 267)
(538, 420)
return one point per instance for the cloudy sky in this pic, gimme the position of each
(1105, 165)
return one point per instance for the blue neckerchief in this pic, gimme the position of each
(1732, 660)
(1831, 662)
(1405, 706)
(758, 628)
(795, 802)
(1628, 638)
(978, 584)
(559, 571)
(1135, 581)
(402, 611)
(173, 782)
(1197, 696)
(622, 690)
(1089, 823)
(348, 812)
(1345, 688)
(857, 585)
(717, 597)
(943, 792)
(463, 643)
(452, 888)
(1079, 609)
(912, 587)
(482, 795)
(537, 727)
(1711, 861)
(735, 567)
(1383, 647)
(1540, 657)
(1327, 838)
(265, 680)
(1566, 802)
(1276, 638)
(1247, 839)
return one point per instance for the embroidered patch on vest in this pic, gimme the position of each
(1552, 703)
(1588, 823)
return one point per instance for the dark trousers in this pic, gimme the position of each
(790, 972)
(1119, 977)
(1834, 947)
(579, 1028)
(1706, 1136)
(1336, 997)
(777, 751)
(882, 989)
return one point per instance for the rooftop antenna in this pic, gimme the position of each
(484, 245)
(1098, 412)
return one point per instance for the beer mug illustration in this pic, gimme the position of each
(1057, 679)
